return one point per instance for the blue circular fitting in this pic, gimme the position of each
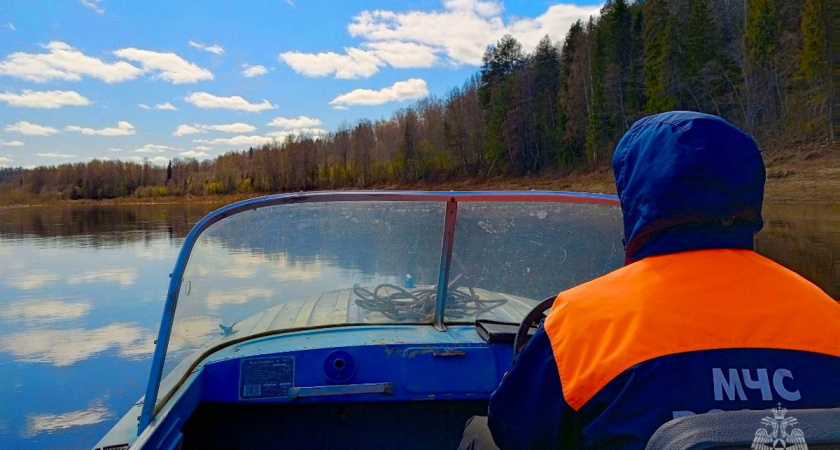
(339, 367)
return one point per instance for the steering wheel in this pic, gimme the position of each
(536, 314)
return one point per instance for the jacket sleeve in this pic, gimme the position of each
(528, 410)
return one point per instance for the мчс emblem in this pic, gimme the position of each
(775, 433)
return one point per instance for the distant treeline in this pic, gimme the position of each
(762, 64)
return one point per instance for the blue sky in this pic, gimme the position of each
(84, 79)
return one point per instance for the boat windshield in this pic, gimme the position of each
(311, 261)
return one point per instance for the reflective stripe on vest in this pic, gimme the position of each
(683, 302)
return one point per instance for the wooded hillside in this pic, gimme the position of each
(764, 65)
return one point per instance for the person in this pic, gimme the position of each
(695, 321)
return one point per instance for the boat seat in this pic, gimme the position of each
(799, 429)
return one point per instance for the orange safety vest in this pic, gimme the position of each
(684, 302)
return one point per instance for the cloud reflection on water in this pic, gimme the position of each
(66, 347)
(32, 280)
(216, 299)
(44, 310)
(125, 277)
(47, 423)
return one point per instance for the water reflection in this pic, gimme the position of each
(805, 239)
(63, 347)
(95, 225)
(82, 288)
(41, 423)
(125, 277)
(32, 280)
(36, 310)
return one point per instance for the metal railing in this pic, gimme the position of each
(451, 199)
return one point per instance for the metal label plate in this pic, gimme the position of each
(266, 377)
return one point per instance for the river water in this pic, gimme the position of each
(82, 289)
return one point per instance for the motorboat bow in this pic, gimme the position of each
(357, 319)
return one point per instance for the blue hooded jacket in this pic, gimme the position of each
(687, 181)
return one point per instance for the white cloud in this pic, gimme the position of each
(194, 154)
(69, 346)
(44, 99)
(464, 28)
(117, 150)
(249, 71)
(153, 148)
(355, 63)
(203, 147)
(209, 101)
(4, 159)
(10, 26)
(184, 130)
(216, 299)
(30, 129)
(125, 277)
(44, 310)
(65, 63)
(11, 143)
(158, 160)
(403, 55)
(215, 49)
(238, 127)
(168, 66)
(32, 280)
(40, 423)
(240, 140)
(56, 155)
(459, 33)
(311, 132)
(93, 4)
(412, 89)
(555, 22)
(293, 123)
(164, 106)
(123, 128)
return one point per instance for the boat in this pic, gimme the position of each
(362, 319)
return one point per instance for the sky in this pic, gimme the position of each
(156, 80)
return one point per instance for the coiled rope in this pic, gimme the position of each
(397, 303)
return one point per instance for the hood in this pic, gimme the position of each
(688, 181)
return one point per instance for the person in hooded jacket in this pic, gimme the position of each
(695, 322)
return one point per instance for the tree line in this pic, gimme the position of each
(764, 65)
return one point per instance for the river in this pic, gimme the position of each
(82, 289)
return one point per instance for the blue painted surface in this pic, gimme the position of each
(421, 362)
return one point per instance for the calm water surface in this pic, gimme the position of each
(82, 289)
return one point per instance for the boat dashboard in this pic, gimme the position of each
(336, 382)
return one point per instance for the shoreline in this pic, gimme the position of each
(811, 176)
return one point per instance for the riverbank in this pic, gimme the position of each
(811, 174)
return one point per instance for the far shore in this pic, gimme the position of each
(811, 177)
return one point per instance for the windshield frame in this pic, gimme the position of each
(451, 199)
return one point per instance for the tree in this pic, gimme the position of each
(761, 32)
(658, 36)
(813, 66)
(547, 87)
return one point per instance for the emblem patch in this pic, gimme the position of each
(775, 434)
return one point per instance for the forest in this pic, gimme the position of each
(764, 65)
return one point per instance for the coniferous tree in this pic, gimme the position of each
(658, 34)
(547, 87)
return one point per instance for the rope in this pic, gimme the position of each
(419, 304)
